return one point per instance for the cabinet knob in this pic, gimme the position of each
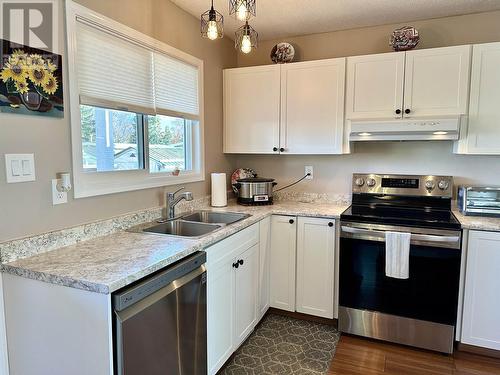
(398, 111)
(407, 111)
(330, 224)
(291, 221)
(282, 149)
(236, 264)
(275, 149)
(241, 262)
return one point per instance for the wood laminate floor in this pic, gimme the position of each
(358, 356)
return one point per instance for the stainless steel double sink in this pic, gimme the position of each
(194, 224)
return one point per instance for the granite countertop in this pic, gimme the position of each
(477, 222)
(106, 264)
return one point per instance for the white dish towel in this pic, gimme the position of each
(397, 254)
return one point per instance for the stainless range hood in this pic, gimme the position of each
(405, 129)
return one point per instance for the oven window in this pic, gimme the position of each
(430, 293)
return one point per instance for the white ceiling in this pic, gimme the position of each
(282, 18)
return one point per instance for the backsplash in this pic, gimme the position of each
(306, 197)
(28, 246)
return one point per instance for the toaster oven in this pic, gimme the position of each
(479, 200)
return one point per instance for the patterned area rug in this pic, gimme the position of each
(283, 345)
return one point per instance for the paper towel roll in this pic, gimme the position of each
(219, 193)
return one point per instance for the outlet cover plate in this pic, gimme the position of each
(309, 169)
(57, 196)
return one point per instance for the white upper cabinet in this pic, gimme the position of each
(374, 88)
(437, 81)
(420, 83)
(481, 317)
(315, 266)
(312, 107)
(252, 109)
(482, 133)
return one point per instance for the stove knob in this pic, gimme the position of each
(359, 182)
(429, 185)
(443, 184)
(371, 182)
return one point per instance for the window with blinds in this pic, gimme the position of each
(122, 74)
(135, 107)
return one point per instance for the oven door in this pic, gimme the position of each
(431, 291)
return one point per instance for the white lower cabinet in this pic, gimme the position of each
(302, 266)
(246, 286)
(282, 262)
(264, 262)
(481, 317)
(232, 292)
(315, 266)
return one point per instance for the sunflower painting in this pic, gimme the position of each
(30, 81)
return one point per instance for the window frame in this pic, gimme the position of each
(87, 184)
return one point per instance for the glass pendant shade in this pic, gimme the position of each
(212, 24)
(243, 10)
(246, 38)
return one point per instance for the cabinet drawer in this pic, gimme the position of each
(233, 245)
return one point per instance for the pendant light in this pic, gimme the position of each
(243, 10)
(246, 38)
(212, 24)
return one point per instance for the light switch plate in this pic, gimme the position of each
(58, 197)
(20, 167)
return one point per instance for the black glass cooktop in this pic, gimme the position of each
(404, 216)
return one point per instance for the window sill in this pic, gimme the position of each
(86, 185)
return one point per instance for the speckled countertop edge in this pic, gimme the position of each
(108, 263)
(477, 222)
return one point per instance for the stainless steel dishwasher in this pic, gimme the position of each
(161, 322)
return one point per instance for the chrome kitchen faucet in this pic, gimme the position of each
(171, 201)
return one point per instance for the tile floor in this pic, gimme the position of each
(284, 345)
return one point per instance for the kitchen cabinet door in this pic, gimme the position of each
(481, 318)
(437, 81)
(374, 87)
(252, 109)
(312, 107)
(482, 134)
(223, 318)
(264, 261)
(220, 313)
(315, 266)
(282, 267)
(245, 290)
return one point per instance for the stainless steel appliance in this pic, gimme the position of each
(255, 190)
(160, 323)
(421, 310)
(479, 200)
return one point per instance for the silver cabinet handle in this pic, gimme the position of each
(416, 237)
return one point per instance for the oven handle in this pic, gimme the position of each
(415, 237)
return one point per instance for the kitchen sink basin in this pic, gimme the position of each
(183, 228)
(215, 217)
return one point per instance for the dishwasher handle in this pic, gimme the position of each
(162, 293)
(135, 293)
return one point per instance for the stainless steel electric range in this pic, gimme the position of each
(420, 310)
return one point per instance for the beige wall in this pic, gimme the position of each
(333, 173)
(26, 208)
(438, 32)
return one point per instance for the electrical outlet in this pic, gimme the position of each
(58, 197)
(309, 169)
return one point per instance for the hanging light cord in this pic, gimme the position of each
(293, 183)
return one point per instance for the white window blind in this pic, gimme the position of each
(176, 86)
(113, 72)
